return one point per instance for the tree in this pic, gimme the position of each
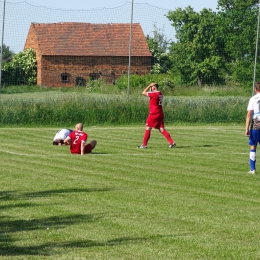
(158, 46)
(21, 70)
(7, 53)
(198, 53)
(229, 5)
(238, 25)
(214, 46)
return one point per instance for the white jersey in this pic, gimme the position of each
(254, 104)
(62, 134)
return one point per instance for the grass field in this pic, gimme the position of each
(195, 201)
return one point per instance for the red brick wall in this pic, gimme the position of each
(50, 68)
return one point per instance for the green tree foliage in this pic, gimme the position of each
(158, 45)
(198, 53)
(21, 70)
(7, 53)
(237, 23)
(213, 47)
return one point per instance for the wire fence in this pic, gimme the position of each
(17, 18)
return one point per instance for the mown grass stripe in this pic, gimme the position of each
(195, 201)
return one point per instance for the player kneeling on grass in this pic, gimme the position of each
(78, 141)
(60, 136)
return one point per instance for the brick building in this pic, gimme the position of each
(68, 54)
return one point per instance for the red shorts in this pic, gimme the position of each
(88, 148)
(155, 121)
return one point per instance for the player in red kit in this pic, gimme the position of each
(155, 118)
(78, 141)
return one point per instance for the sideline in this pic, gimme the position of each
(15, 153)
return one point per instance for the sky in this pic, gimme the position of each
(19, 14)
(99, 4)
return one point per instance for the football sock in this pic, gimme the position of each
(252, 159)
(168, 137)
(147, 135)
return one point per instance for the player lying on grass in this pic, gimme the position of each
(60, 136)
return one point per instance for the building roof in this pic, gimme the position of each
(86, 39)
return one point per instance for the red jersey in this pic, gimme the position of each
(77, 137)
(156, 99)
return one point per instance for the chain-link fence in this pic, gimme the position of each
(222, 50)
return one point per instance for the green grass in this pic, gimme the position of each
(195, 201)
(59, 109)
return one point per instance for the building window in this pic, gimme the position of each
(80, 81)
(64, 77)
(94, 76)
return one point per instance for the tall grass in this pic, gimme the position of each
(58, 108)
(205, 109)
(65, 109)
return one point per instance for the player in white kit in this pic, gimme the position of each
(253, 126)
(61, 136)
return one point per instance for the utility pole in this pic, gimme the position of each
(2, 44)
(130, 50)
(256, 48)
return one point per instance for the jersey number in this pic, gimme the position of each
(76, 139)
(160, 100)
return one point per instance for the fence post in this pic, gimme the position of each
(256, 47)
(2, 44)
(130, 50)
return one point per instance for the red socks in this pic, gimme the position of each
(147, 135)
(168, 137)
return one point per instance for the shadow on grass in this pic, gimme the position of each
(8, 195)
(64, 191)
(189, 146)
(20, 205)
(12, 195)
(50, 249)
(57, 222)
(98, 153)
(9, 227)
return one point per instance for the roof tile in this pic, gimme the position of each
(86, 39)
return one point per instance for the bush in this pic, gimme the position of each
(140, 82)
(21, 70)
